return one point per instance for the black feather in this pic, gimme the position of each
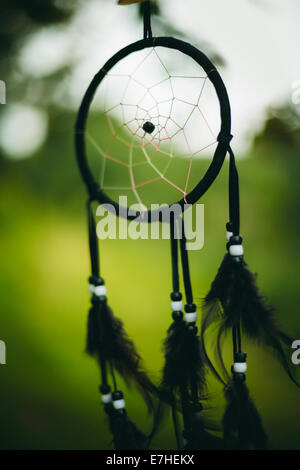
(199, 436)
(212, 313)
(126, 435)
(200, 439)
(183, 362)
(108, 340)
(183, 377)
(160, 416)
(235, 291)
(242, 423)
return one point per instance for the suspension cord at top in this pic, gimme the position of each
(147, 19)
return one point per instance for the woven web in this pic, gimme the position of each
(171, 97)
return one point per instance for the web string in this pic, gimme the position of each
(159, 112)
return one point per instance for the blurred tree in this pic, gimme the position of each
(19, 18)
(278, 144)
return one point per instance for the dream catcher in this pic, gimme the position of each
(148, 117)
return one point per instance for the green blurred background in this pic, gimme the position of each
(48, 392)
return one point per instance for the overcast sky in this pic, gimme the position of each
(260, 41)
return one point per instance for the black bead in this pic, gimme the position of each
(190, 308)
(240, 357)
(235, 240)
(148, 127)
(192, 329)
(176, 296)
(117, 395)
(96, 281)
(104, 389)
(177, 316)
(229, 227)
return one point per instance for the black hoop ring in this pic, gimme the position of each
(95, 192)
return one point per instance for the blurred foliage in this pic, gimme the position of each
(18, 19)
(49, 386)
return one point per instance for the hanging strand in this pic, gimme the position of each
(176, 304)
(190, 318)
(233, 236)
(190, 307)
(185, 268)
(234, 217)
(196, 429)
(174, 253)
(105, 336)
(95, 322)
(234, 198)
(178, 367)
(113, 376)
(96, 282)
(93, 242)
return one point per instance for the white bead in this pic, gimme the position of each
(236, 250)
(91, 288)
(240, 367)
(119, 404)
(229, 235)
(190, 317)
(106, 398)
(100, 291)
(177, 306)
